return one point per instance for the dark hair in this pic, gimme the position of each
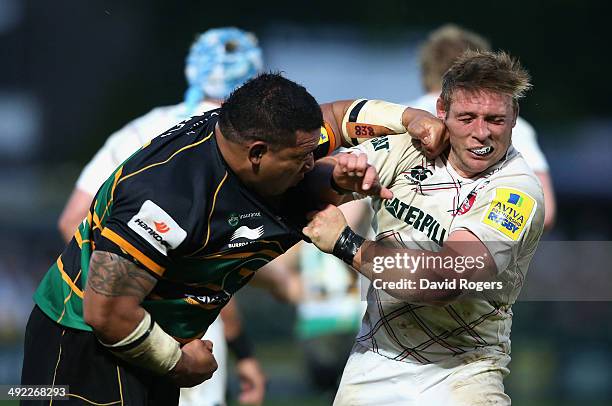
(475, 71)
(269, 108)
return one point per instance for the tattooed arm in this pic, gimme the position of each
(111, 306)
(115, 289)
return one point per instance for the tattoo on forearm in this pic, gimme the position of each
(112, 275)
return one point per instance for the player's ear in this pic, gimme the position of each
(256, 152)
(440, 109)
(516, 113)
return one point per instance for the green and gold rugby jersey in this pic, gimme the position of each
(175, 209)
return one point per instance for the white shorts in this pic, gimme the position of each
(212, 391)
(469, 380)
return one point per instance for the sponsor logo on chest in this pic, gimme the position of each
(417, 218)
(234, 218)
(245, 233)
(157, 228)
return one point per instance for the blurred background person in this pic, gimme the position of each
(442, 47)
(327, 299)
(219, 60)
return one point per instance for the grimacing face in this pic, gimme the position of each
(480, 127)
(285, 167)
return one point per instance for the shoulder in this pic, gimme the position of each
(397, 145)
(517, 178)
(518, 173)
(513, 199)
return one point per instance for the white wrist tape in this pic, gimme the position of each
(367, 119)
(148, 346)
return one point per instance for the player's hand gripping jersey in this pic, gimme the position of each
(503, 207)
(178, 211)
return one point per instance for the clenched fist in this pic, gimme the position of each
(353, 173)
(429, 134)
(196, 364)
(325, 227)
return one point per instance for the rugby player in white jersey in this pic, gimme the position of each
(437, 327)
(437, 54)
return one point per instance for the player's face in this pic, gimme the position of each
(285, 167)
(480, 127)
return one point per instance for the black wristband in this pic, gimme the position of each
(347, 245)
(241, 346)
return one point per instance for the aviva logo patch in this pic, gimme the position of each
(515, 199)
(509, 212)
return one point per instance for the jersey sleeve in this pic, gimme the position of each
(152, 216)
(328, 142)
(366, 119)
(524, 139)
(504, 214)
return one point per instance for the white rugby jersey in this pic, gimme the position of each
(503, 207)
(124, 142)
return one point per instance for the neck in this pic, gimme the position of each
(231, 152)
(455, 163)
(464, 172)
(235, 156)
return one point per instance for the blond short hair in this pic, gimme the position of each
(442, 48)
(477, 71)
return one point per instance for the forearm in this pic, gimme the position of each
(111, 306)
(231, 320)
(113, 320)
(427, 276)
(550, 204)
(318, 183)
(403, 272)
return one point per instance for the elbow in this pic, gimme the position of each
(111, 319)
(94, 315)
(102, 316)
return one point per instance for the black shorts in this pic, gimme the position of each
(57, 355)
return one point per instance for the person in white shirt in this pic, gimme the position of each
(219, 60)
(442, 47)
(453, 244)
